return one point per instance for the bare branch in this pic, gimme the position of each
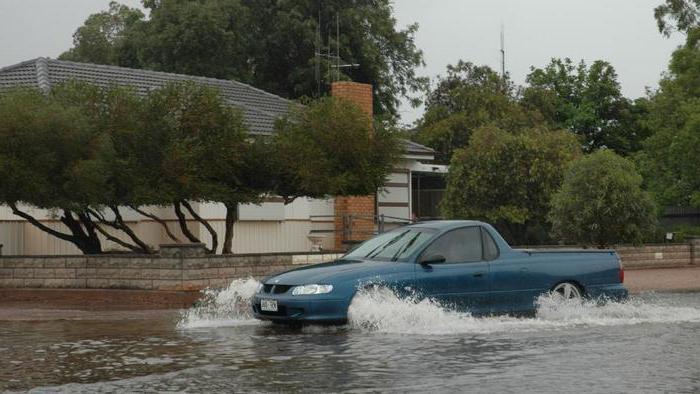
(159, 221)
(116, 240)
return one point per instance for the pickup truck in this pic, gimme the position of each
(462, 265)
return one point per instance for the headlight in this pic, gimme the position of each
(259, 289)
(312, 289)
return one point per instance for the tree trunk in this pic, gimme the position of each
(125, 228)
(85, 239)
(159, 221)
(231, 219)
(212, 232)
(183, 223)
(77, 237)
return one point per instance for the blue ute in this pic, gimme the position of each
(463, 265)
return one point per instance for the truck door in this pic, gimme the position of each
(454, 271)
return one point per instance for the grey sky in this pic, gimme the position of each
(622, 32)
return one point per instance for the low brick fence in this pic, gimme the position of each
(175, 268)
(187, 267)
(659, 256)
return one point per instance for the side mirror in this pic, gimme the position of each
(433, 259)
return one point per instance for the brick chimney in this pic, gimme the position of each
(356, 213)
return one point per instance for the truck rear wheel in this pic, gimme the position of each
(567, 291)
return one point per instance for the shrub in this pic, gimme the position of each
(601, 203)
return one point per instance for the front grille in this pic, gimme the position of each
(276, 289)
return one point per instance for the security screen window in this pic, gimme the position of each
(458, 246)
(395, 246)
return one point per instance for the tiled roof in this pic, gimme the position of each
(417, 149)
(260, 108)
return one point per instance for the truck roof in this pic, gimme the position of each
(447, 224)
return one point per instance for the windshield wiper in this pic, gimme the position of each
(405, 248)
(386, 245)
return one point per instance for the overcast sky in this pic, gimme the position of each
(622, 32)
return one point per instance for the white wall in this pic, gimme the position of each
(289, 234)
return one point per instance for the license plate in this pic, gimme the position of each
(268, 305)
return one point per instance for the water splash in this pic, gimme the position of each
(380, 310)
(219, 308)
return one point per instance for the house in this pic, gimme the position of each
(270, 227)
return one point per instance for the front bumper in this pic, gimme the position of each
(303, 309)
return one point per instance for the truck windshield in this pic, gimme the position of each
(396, 245)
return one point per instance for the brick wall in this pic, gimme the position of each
(354, 216)
(659, 256)
(144, 272)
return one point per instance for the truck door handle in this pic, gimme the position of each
(478, 274)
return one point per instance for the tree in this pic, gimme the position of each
(269, 44)
(47, 160)
(670, 160)
(508, 179)
(88, 153)
(586, 100)
(196, 151)
(684, 14)
(331, 147)
(601, 203)
(467, 98)
(104, 38)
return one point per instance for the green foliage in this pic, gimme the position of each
(587, 101)
(269, 44)
(680, 15)
(670, 160)
(331, 148)
(508, 179)
(197, 144)
(48, 152)
(105, 38)
(601, 203)
(469, 97)
(87, 152)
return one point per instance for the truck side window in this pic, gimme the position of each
(490, 248)
(462, 245)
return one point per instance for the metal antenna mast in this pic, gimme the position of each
(337, 41)
(503, 53)
(318, 55)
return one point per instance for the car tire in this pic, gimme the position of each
(568, 291)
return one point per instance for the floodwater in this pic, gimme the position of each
(649, 344)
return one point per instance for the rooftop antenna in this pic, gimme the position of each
(337, 41)
(503, 53)
(317, 70)
(334, 60)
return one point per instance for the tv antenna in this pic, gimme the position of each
(503, 52)
(335, 62)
